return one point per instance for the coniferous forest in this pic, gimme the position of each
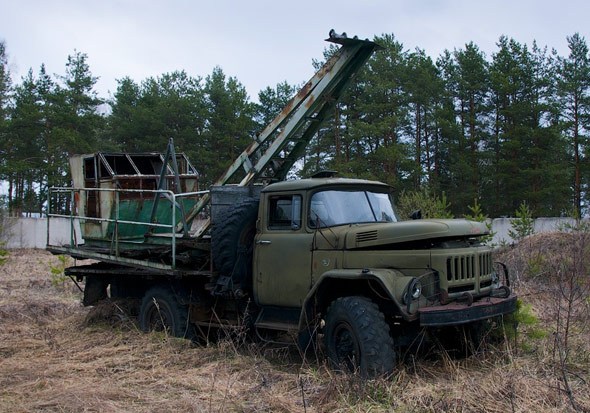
(494, 131)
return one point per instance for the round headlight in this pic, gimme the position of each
(415, 289)
(495, 279)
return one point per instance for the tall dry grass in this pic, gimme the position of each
(56, 356)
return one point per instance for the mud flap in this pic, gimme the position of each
(95, 290)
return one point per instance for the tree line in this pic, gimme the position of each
(489, 131)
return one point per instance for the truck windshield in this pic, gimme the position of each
(334, 207)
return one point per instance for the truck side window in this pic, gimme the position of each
(284, 212)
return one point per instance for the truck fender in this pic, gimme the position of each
(376, 283)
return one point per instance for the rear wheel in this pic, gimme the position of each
(161, 311)
(357, 337)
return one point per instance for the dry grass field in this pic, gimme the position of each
(56, 356)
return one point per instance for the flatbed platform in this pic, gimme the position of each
(131, 264)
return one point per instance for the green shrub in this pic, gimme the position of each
(58, 277)
(429, 204)
(3, 254)
(478, 215)
(523, 225)
(528, 325)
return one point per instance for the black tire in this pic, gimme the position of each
(357, 338)
(161, 311)
(233, 234)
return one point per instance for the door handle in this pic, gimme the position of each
(263, 241)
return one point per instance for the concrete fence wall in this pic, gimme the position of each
(32, 232)
(501, 226)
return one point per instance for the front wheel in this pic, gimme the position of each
(357, 337)
(161, 311)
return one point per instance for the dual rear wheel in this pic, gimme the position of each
(161, 310)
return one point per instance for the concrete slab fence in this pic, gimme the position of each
(32, 232)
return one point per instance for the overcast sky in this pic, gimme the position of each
(260, 42)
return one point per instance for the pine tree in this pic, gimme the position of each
(272, 101)
(505, 81)
(323, 150)
(373, 115)
(5, 86)
(5, 90)
(546, 176)
(448, 133)
(145, 116)
(48, 99)
(423, 88)
(25, 156)
(527, 154)
(79, 107)
(123, 123)
(465, 116)
(574, 95)
(229, 124)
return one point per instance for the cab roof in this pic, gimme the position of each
(312, 183)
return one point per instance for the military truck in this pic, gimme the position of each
(323, 261)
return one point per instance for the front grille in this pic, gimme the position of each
(461, 268)
(485, 263)
(467, 267)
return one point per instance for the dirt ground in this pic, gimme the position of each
(57, 356)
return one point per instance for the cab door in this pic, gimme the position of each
(282, 253)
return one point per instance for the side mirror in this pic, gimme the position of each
(417, 214)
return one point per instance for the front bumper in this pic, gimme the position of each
(462, 313)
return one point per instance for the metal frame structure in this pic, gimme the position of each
(268, 158)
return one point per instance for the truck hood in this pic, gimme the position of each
(369, 235)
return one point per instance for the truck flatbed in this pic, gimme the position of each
(130, 263)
